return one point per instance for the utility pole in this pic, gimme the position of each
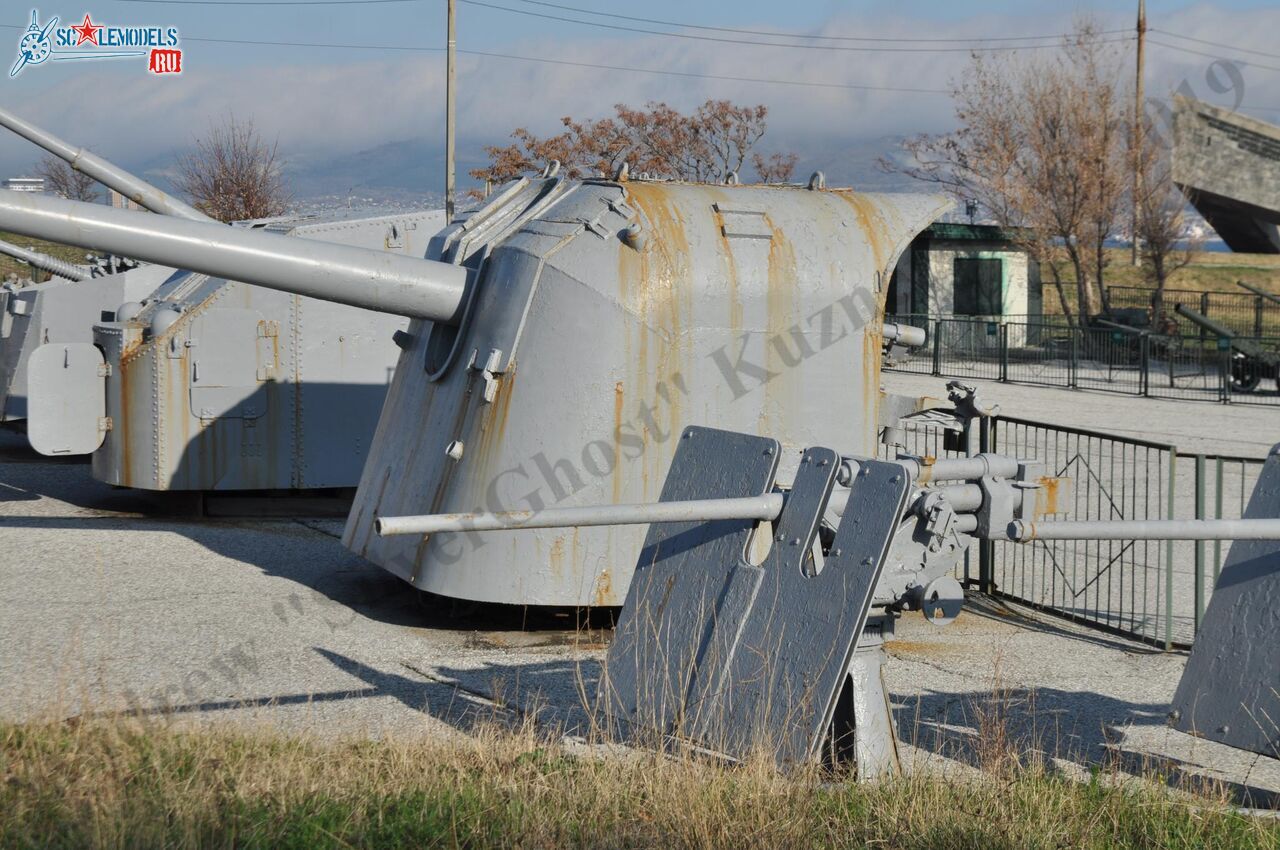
(450, 111)
(1139, 115)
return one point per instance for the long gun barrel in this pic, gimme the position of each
(373, 280)
(106, 173)
(43, 261)
(1205, 322)
(1262, 293)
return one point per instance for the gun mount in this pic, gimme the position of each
(770, 578)
(1250, 362)
(610, 308)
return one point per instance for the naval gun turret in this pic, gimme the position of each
(560, 336)
(284, 391)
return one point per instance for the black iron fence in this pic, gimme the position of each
(1241, 312)
(1155, 592)
(1244, 370)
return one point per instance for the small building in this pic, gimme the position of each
(24, 184)
(119, 201)
(965, 270)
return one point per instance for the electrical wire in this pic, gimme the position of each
(722, 40)
(1246, 62)
(776, 34)
(1213, 43)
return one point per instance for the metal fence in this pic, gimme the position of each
(1155, 592)
(1242, 312)
(1135, 363)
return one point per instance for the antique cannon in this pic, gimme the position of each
(278, 391)
(771, 576)
(1250, 362)
(560, 335)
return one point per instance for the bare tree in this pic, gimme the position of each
(234, 174)
(65, 181)
(1041, 145)
(1162, 221)
(717, 139)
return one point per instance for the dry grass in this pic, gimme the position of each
(62, 252)
(123, 783)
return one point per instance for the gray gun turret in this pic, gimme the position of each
(283, 391)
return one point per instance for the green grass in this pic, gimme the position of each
(126, 784)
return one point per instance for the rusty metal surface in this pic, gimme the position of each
(620, 312)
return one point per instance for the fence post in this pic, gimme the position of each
(1204, 311)
(937, 347)
(1073, 365)
(1257, 315)
(1144, 365)
(986, 548)
(1198, 575)
(1217, 514)
(1168, 552)
(1004, 351)
(1225, 369)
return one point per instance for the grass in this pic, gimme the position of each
(123, 783)
(1209, 271)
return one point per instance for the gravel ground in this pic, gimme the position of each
(105, 607)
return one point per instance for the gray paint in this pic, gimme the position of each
(345, 274)
(59, 311)
(1230, 690)
(734, 656)
(607, 305)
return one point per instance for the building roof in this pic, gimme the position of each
(972, 232)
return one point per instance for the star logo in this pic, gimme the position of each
(87, 31)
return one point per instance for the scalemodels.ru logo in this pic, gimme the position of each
(49, 42)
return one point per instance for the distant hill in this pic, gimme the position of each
(408, 170)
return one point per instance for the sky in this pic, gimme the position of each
(364, 89)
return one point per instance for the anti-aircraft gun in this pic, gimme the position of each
(280, 391)
(561, 334)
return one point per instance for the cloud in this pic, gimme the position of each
(321, 109)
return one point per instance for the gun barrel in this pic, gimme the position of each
(1204, 321)
(137, 190)
(763, 507)
(1022, 531)
(1275, 299)
(43, 261)
(374, 280)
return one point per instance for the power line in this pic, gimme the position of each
(545, 61)
(267, 2)
(775, 34)
(723, 40)
(1248, 63)
(1218, 44)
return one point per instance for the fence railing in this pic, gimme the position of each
(1242, 312)
(1155, 592)
(1242, 370)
